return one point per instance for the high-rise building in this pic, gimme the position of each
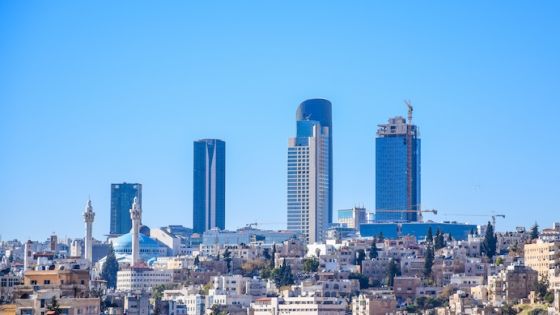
(122, 196)
(397, 171)
(310, 171)
(209, 185)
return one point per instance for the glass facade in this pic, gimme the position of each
(122, 196)
(209, 185)
(309, 193)
(459, 231)
(391, 176)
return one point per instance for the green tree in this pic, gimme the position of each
(535, 231)
(429, 236)
(428, 261)
(373, 252)
(489, 243)
(228, 259)
(381, 237)
(360, 256)
(110, 269)
(266, 254)
(393, 270)
(499, 261)
(541, 287)
(197, 261)
(54, 306)
(439, 240)
(283, 276)
(363, 280)
(310, 265)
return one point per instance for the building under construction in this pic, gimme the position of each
(397, 171)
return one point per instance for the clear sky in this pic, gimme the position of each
(93, 93)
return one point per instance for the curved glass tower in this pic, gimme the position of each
(209, 185)
(310, 171)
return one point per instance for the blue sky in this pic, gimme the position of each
(93, 93)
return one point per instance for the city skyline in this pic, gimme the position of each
(76, 116)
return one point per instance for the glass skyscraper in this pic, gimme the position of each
(391, 172)
(209, 185)
(309, 197)
(122, 196)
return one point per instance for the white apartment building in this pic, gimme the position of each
(298, 305)
(142, 279)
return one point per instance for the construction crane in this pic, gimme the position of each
(419, 212)
(409, 158)
(493, 216)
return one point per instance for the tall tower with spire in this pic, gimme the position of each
(136, 217)
(89, 215)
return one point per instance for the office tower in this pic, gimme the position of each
(397, 171)
(122, 196)
(209, 185)
(136, 218)
(89, 216)
(310, 171)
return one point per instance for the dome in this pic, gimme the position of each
(149, 248)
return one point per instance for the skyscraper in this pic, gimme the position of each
(209, 185)
(310, 171)
(122, 196)
(397, 171)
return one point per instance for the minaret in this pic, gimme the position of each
(136, 217)
(28, 257)
(89, 215)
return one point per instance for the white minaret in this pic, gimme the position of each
(28, 256)
(136, 216)
(89, 215)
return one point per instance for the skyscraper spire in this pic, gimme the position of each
(89, 216)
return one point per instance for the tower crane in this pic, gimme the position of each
(491, 215)
(434, 211)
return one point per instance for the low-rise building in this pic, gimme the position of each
(142, 279)
(374, 303)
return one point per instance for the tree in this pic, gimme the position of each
(282, 276)
(439, 240)
(197, 261)
(541, 288)
(499, 261)
(227, 259)
(266, 254)
(428, 261)
(54, 306)
(381, 237)
(363, 280)
(392, 271)
(429, 236)
(489, 244)
(534, 231)
(373, 253)
(110, 269)
(360, 256)
(310, 265)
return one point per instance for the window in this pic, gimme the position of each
(47, 282)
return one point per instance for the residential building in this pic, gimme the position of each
(374, 303)
(122, 196)
(142, 279)
(209, 185)
(309, 195)
(397, 171)
(542, 256)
